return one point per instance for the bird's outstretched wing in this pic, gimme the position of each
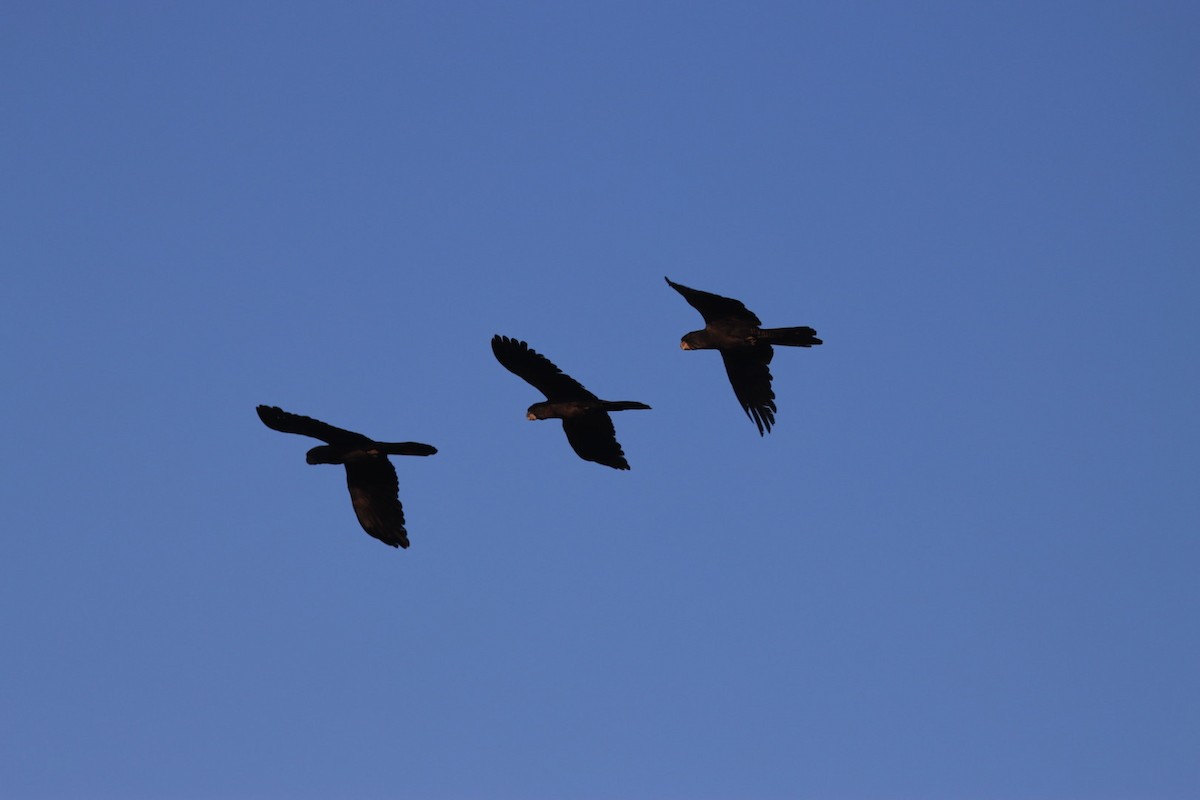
(593, 438)
(375, 495)
(277, 419)
(714, 307)
(751, 381)
(535, 369)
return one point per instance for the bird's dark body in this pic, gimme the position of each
(745, 348)
(346, 453)
(579, 408)
(370, 476)
(746, 337)
(586, 423)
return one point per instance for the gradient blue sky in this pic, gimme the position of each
(963, 566)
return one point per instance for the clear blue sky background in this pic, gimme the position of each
(963, 566)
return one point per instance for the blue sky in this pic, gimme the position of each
(962, 566)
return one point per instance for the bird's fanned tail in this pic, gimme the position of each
(624, 405)
(802, 336)
(405, 448)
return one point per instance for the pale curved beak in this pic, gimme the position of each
(530, 416)
(684, 346)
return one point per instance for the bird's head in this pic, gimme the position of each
(537, 411)
(323, 454)
(692, 341)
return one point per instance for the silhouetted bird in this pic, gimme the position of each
(585, 417)
(370, 476)
(745, 347)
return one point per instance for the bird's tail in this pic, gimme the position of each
(623, 405)
(803, 336)
(405, 448)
